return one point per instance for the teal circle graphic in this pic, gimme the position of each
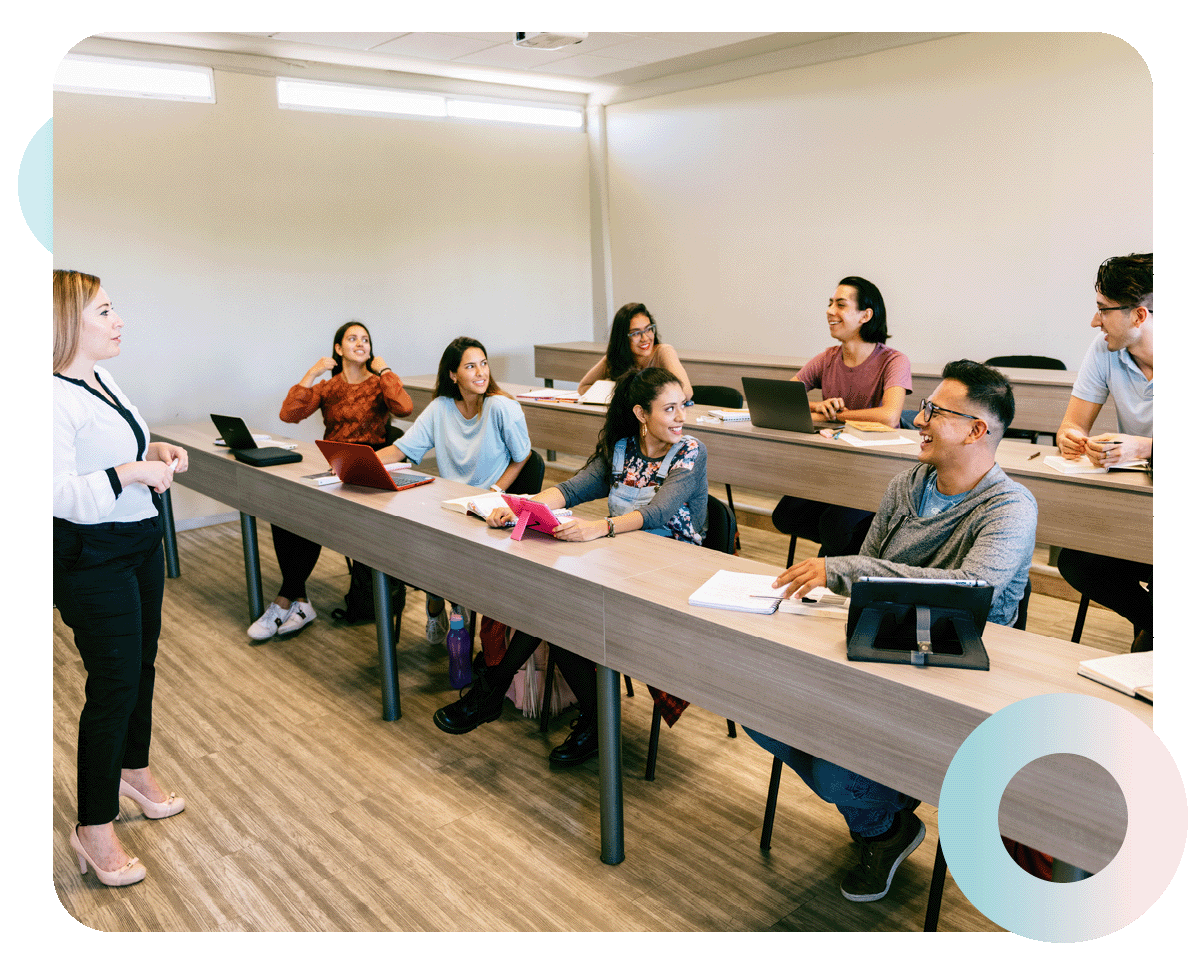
(991, 756)
(35, 185)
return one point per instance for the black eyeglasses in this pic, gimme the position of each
(638, 334)
(931, 410)
(1110, 309)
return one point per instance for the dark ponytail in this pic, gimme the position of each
(637, 388)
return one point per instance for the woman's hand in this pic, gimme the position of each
(324, 365)
(800, 578)
(168, 453)
(378, 365)
(501, 517)
(152, 473)
(578, 530)
(828, 409)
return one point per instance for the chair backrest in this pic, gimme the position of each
(392, 433)
(715, 396)
(1027, 362)
(529, 480)
(722, 526)
(1023, 607)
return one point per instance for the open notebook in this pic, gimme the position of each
(1131, 673)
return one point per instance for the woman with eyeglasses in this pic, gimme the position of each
(860, 378)
(633, 344)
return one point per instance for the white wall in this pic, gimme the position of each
(978, 180)
(234, 238)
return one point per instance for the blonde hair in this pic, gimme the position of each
(72, 292)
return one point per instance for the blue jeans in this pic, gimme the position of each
(869, 807)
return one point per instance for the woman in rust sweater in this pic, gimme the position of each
(357, 402)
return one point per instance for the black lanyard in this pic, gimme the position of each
(116, 404)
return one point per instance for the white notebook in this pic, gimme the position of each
(743, 592)
(1131, 673)
(480, 504)
(731, 415)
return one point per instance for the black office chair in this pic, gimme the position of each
(1026, 362)
(711, 395)
(721, 536)
(937, 881)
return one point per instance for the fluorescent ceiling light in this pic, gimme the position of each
(512, 113)
(135, 78)
(348, 98)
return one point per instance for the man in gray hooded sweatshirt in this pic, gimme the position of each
(955, 514)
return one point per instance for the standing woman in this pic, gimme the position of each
(357, 402)
(108, 570)
(633, 344)
(477, 432)
(655, 479)
(860, 379)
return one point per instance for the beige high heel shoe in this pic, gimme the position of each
(152, 809)
(133, 872)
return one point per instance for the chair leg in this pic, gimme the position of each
(1079, 618)
(792, 550)
(732, 730)
(936, 883)
(628, 687)
(772, 797)
(547, 688)
(652, 748)
(737, 537)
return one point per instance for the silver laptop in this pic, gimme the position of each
(780, 405)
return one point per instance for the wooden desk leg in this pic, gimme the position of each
(612, 816)
(386, 636)
(253, 573)
(170, 546)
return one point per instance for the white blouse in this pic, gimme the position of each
(90, 436)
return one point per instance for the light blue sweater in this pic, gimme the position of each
(475, 452)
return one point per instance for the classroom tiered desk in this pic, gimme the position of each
(627, 601)
(1109, 514)
(1041, 395)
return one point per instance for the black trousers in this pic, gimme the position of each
(108, 587)
(1113, 582)
(579, 672)
(839, 530)
(297, 559)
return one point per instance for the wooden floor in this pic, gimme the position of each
(307, 812)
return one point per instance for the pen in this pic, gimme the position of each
(174, 464)
(1034, 456)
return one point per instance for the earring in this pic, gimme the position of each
(643, 431)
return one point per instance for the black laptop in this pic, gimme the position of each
(780, 405)
(237, 438)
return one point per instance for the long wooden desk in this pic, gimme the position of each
(1041, 394)
(784, 675)
(1110, 514)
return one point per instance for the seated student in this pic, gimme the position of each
(860, 379)
(356, 402)
(1119, 362)
(955, 514)
(656, 479)
(633, 344)
(477, 432)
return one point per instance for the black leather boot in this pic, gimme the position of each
(580, 746)
(480, 704)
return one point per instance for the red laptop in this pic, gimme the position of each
(358, 463)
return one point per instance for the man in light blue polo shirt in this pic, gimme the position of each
(1120, 364)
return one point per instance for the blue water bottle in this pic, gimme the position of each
(458, 645)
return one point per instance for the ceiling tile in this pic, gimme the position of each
(518, 58)
(346, 41)
(586, 66)
(433, 46)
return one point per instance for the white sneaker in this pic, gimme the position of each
(436, 628)
(268, 624)
(299, 616)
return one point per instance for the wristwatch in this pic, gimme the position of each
(612, 531)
